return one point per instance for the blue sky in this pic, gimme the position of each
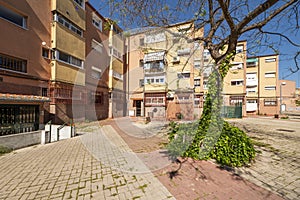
(284, 64)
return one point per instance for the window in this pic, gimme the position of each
(183, 98)
(239, 49)
(237, 66)
(69, 59)
(270, 102)
(198, 100)
(197, 64)
(184, 52)
(80, 3)
(205, 84)
(44, 92)
(237, 83)
(270, 74)
(155, 99)
(251, 90)
(196, 45)
(96, 73)
(97, 46)
(251, 64)
(251, 76)
(157, 80)
(116, 53)
(267, 60)
(206, 52)
(45, 53)
(142, 42)
(197, 82)
(12, 63)
(68, 24)
(13, 17)
(97, 22)
(96, 97)
(141, 63)
(184, 75)
(141, 82)
(117, 75)
(154, 67)
(251, 101)
(236, 100)
(270, 88)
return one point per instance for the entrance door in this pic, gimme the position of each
(138, 104)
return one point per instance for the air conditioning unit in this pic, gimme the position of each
(176, 59)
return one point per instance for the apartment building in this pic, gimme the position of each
(67, 81)
(24, 66)
(58, 62)
(234, 87)
(234, 90)
(96, 66)
(262, 85)
(117, 71)
(161, 71)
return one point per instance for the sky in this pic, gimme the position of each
(284, 63)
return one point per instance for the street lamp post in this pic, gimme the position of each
(281, 84)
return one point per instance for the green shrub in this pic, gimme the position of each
(234, 147)
(4, 150)
(231, 148)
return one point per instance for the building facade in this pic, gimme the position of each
(96, 65)
(24, 67)
(262, 85)
(287, 96)
(117, 71)
(58, 63)
(161, 71)
(67, 81)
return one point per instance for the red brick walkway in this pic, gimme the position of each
(197, 179)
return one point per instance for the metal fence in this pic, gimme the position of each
(18, 119)
(232, 111)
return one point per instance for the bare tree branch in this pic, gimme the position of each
(242, 25)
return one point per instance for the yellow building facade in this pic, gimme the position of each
(67, 65)
(262, 85)
(162, 67)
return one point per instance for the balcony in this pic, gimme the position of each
(154, 68)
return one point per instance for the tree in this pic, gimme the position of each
(225, 22)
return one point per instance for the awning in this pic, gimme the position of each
(149, 57)
(137, 96)
(252, 59)
(23, 98)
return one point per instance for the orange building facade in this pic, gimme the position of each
(24, 66)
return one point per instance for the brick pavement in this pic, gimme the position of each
(277, 166)
(67, 170)
(101, 164)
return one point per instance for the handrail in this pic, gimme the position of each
(49, 123)
(58, 129)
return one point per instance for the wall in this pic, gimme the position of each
(15, 40)
(21, 140)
